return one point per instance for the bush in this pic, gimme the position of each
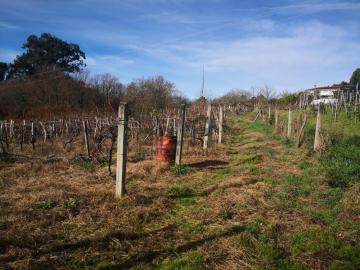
(342, 164)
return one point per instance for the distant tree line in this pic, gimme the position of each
(49, 80)
(59, 95)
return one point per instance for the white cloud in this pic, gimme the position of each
(316, 7)
(107, 63)
(300, 56)
(6, 25)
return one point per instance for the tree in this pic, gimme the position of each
(287, 98)
(47, 52)
(355, 77)
(152, 94)
(234, 97)
(3, 70)
(267, 92)
(109, 87)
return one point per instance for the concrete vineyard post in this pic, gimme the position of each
(289, 124)
(207, 127)
(22, 135)
(86, 138)
(180, 136)
(317, 140)
(121, 153)
(32, 135)
(221, 119)
(167, 125)
(276, 119)
(44, 131)
(302, 132)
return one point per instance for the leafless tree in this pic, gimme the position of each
(268, 92)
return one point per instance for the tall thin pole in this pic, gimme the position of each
(289, 124)
(221, 116)
(207, 127)
(121, 153)
(86, 138)
(317, 140)
(180, 136)
(202, 83)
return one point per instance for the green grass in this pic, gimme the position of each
(221, 174)
(87, 165)
(342, 163)
(343, 254)
(67, 204)
(331, 196)
(189, 261)
(317, 190)
(179, 191)
(267, 251)
(180, 169)
(261, 127)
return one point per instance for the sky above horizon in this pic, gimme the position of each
(286, 44)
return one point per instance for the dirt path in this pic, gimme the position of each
(234, 209)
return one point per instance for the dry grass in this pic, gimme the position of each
(63, 214)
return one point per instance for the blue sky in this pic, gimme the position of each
(288, 45)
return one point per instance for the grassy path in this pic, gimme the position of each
(267, 208)
(255, 203)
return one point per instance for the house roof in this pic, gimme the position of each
(335, 87)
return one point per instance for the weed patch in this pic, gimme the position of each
(86, 164)
(180, 192)
(180, 169)
(45, 204)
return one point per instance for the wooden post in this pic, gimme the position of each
(86, 137)
(221, 116)
(302, 132)
(180, 136)
(121, 153)
(317, 140)
(289, 125)
(269, 113)
(207, 127)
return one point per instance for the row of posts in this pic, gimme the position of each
(121, 155)
(317, 138)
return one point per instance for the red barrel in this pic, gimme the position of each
(165, 148)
